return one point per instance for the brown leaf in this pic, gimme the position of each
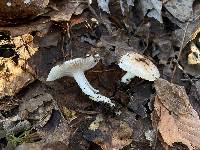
(41, 26)
(110, 134)
(60, 133)
(181, 10)
(21, 9)
(65, 10)
(42, 105)
(190, 30)
(14, 71)
(178, 121)
(13, 78)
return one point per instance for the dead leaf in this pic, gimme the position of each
(60, 133)
(40, 109)
(41, 26)
(165, 48)
(125, 4)
(25, 49)
(13, 78)
(15, 71)
(194, 56)
(191, 30)
(30, 146)
(181, 10)
(110, 134)
(152, 8)
(178, 121)
(139, 99)
(95, 124)
(11, 12)
(65, 10)
(103, 4)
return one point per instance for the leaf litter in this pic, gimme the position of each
(57, 115)
(178, 121)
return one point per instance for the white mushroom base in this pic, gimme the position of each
(127, 77)
(87, 88)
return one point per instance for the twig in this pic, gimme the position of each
(190, 80)
(180, 51)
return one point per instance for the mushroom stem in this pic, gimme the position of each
(87, 88)
(90, 86)
(127, 77)
(101, 98)
(80, 78)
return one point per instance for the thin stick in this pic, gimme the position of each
(180, 51)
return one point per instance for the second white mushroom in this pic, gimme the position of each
(137, 65)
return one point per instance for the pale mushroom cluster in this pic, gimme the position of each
(133, 63)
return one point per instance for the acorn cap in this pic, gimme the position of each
(137, 65)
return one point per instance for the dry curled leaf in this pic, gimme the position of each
(178, 121)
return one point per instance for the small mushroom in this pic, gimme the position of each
(75, 68)
(137, 65)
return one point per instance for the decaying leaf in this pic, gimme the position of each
(40, 109)
(110, 134)
(178, 121)
(139, 99)
(11, 10)
(180, 9)
(190, 30)
(69, 114)
(25, 48)
(14, 71)
(30, 146)
(152, 8)
(60, 133)
(41, 146)
(95, 124)
(64, 10)
(165, 48)
(125, 4)
(194, 56)
(13, 77)
(41, 26)
(103, 4)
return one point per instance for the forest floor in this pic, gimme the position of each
(37, 114)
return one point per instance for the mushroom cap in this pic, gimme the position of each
(139, 65)
(68, 68)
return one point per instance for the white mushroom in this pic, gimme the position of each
(137, 65)
(75, 68)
